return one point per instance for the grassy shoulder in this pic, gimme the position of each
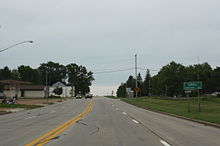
(210, 107)
(25, 106)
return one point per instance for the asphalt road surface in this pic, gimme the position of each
(107, 122)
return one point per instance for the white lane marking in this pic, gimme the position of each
(117, 108)
(164, 143)
(135, 121)
(124, 113)
(30, 117)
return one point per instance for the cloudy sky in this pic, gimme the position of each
(104, 35)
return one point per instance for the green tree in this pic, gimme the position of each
(170, 79)
(121, 91)
(214, 81)
(26, 73)
(15, 74)
(54, 71)
(202, 72)
(79, 77)
(5, 73)
(130, 83)
(146, 85)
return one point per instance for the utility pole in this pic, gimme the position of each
(149, 85)
(47, 86)
(136, 86)
(166, 90)
(198, 89)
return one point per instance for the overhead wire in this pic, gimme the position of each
(113, 71)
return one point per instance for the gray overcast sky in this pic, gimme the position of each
(105, 34)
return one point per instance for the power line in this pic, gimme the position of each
(113, 71)
(139, 68)
(119, 70)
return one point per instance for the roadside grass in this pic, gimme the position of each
(210, 107)
(112, 97)
(25, 106)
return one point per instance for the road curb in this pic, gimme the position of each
(4, 112)
(181, 117)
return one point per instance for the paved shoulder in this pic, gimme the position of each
(173, 130)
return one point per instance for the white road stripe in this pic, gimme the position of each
(30, 117)
(124, 113)
(164, 143)
(135, 121)
(117, 108)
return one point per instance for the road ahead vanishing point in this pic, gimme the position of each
(101, 122)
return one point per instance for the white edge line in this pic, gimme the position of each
(164, 143)
(30, 117)
(124, 113)
(135, 121)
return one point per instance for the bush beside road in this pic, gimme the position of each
(210, 107)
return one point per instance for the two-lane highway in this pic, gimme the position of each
(102, 122)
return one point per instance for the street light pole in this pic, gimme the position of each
(47, 86)
(23, 42)
(136, 86)
(198, 89)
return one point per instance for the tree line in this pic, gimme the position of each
(71, 74)
(169, 80)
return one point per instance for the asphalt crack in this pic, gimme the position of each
(97, 128)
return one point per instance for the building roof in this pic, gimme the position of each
(27, 87)
(15, 82)
(58, 84)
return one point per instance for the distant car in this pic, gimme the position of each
(78, 96)
(216, 94)
(88, 95)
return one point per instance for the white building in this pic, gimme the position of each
(68, 91)
(21, 89)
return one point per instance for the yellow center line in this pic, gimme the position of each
(61, 130)
(50, 135)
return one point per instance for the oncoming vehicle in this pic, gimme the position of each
(88, 95)
(78, 96)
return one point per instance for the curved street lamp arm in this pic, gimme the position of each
(16, 45)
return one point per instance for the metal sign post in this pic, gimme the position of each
(189, 86)
(188, 92)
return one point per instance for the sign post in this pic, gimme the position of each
(137, 90)
(189, 86)
(188, 92)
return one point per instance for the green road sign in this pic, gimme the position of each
(192, 85)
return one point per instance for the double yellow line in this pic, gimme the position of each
(50, 135)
